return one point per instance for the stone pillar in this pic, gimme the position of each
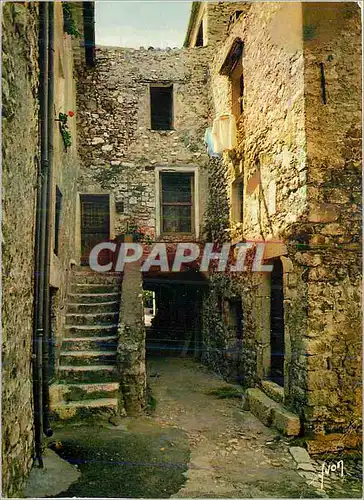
(131, 343)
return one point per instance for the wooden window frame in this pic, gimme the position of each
(177, 204)
(195, 226)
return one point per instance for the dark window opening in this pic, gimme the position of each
(323, 83)
(241, 97)
(235, 317)
(234, 17)
(177, 202)
(237, 204)
(161, 107)
(119, 206)
(53, 304)
(277, 324)
(57, 220)
(237, 84)
(199, 39)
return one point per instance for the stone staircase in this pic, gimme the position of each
(87, 378)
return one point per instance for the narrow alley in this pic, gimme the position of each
(182, 259)
(197, 442)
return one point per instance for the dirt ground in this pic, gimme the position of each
(194, 444)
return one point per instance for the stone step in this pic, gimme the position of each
(95, 307)
(92, 298)
(273, 390)
(107, 343)
(93, 373)
(90, 330)
(63, 393)
(96, 278)
(88, 270)
(85, 358)
(271, 413)
(79, 410)
(95, 288)
(92, 319)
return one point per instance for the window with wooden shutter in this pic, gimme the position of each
(177, 202)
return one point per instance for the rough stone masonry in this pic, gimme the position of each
(298, 161)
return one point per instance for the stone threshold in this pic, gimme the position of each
(271, 413)
(273, 390)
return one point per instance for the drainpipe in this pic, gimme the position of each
(39, 234)
(48, 223)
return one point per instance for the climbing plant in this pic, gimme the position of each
(69, 24)
(63, 127)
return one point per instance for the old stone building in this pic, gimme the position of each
(293, 179)
(143, 117)
(41, 45)
(119, 145)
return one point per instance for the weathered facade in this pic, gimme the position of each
(24, 171)
(293, 145)
(121, 154)
(20, 81)
(133, 160)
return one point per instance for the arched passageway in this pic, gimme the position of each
(175, 329)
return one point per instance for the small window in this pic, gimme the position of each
(199, 39)
(161, 107)
(177, 209)
(237, 201)
(237, 87)
(57, 220)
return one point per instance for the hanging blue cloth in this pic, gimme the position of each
(210, 144)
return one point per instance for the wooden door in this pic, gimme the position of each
(95, 225)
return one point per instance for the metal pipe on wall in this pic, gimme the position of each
(48, 225)
(39, 234)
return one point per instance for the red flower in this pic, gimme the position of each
(71, 113)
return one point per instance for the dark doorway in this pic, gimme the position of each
(95, 225)
(175, 329)
(234, 311)
(277, 324)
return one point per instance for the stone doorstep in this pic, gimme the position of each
(59, 392)
(81, 409)
(271, 413)
(272, 390)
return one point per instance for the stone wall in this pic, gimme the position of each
(131, 343)
(20, 164)
(269, 157)
(66, 170)
(333, 263)
(299, 160)
(119, 150)
(20, 177)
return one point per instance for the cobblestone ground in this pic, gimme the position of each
(232, 454)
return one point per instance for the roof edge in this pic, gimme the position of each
(193, 15)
